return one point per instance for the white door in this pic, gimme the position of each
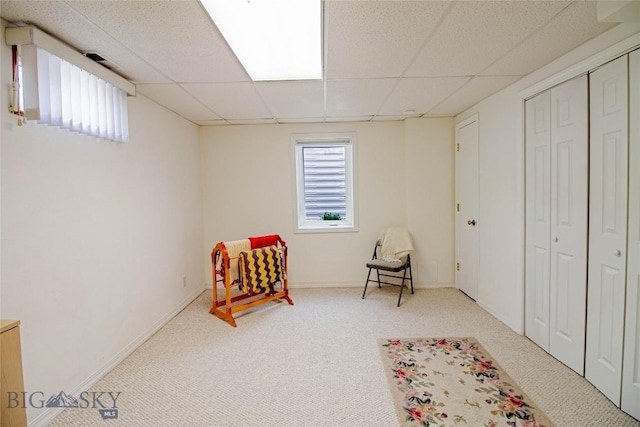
(538, 225)
(569, 207)
(467, 207)
(631, 362)
(607, 227)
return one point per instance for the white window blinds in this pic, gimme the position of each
(324, 181)
(72, 98)
(61, 87)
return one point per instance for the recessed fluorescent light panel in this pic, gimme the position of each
(273, 39)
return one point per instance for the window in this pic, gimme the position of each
(71, 98)
(325, 182)
(58, 86)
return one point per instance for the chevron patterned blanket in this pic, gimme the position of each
(260, 269)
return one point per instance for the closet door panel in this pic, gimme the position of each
(607, 227)
(538, 210)
(569, 207)
(631, 361)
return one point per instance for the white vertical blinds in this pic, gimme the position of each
(72, 98)
(324, 181)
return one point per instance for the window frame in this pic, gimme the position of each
(341, 139)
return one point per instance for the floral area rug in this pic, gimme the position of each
(454, 382)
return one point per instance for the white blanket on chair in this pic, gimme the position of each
(396, 244)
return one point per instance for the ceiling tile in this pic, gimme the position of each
(420, 94)
(569, 29)
(476, 90)
(230, 100)
(476, 33)
(357, 97)
(164, 33)
(376, 39)
(293, 99)
(177, 100)
(62, 22)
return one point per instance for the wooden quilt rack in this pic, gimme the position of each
(221, 263)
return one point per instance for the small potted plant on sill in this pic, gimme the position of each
(328, 216)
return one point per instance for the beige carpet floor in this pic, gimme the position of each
(317, 364)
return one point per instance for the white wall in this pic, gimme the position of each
(501, 170)
(430, 161)
(248, 190)
(96, 239)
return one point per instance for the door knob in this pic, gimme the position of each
(555, 239)
(471, 222)
(617, 253)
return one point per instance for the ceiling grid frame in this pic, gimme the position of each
(155, 44)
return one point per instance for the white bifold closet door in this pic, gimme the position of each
(607, 226)
(556, 225)
(569, 213)
(631, 359)
(538, 225)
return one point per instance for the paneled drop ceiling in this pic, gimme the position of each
(383, 60)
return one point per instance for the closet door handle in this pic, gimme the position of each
(471, 222)
(555, 240)
(617, 253)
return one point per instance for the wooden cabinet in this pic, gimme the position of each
(12, 413)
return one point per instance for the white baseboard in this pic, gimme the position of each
(488, 309)
(312, 285)
(48, 414)
(434, 285)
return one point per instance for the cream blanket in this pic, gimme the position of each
(233, 250)
(396, 244)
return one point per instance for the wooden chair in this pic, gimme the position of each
(388, 267)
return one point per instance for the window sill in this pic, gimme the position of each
(326, 228)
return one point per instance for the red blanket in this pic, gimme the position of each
(264, 241)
